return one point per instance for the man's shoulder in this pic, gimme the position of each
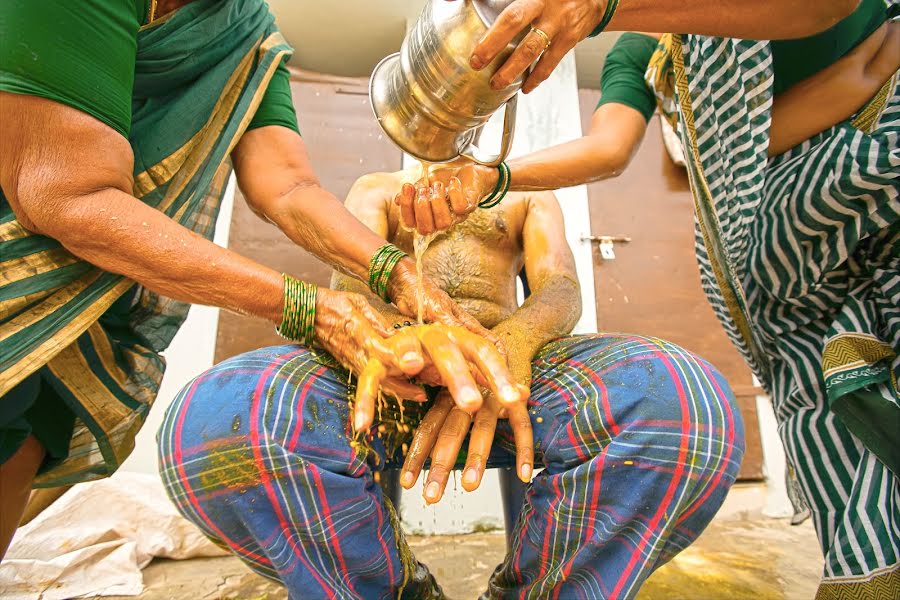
(374, 188)
(378, 181)
(536, 198)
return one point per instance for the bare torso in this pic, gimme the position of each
(477, 261)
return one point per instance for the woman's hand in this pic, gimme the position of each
(453, 357)
(446, 198)
(442, 432)
(437, 306)
(353, 332)
(565, 23)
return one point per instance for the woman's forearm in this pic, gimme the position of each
(278, 182)
(119, 234)
(616, 133)
(761, 20)
(316, 220)
(584, 160)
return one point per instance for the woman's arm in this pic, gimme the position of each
(567, 22)
(277, 179)
(68, 176)
(613, 139)
(274, 173)
(615, 135)
(367, 201)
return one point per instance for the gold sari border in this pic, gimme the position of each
(44, 353)
(701, 194)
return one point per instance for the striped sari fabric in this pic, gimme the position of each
(800, 259)
(96, 337)
(639, 442)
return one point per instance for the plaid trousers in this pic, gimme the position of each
(639, 441)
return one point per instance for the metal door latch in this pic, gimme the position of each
(607, 242)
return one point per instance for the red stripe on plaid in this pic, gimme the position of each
(179, 460)
(676, 476)
(313, 377)
(266, 479)
(719, 472)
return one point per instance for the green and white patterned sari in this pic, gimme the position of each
(96, 337)
(800, 259)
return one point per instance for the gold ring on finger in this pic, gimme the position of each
(544, 35)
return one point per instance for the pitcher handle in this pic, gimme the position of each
(509, 124)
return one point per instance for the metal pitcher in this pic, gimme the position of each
(428, 99)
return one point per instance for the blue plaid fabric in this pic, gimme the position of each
(639, 441)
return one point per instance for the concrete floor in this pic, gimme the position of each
(742, 555)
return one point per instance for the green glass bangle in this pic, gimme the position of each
(611, 7)
(386, 271)
(298, 316)
(500, 191)
(380, 267)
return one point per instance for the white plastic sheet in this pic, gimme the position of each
(95, 540)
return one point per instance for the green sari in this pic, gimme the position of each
(799, 257)
(95, 337)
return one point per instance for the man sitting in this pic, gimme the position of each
(639, 440)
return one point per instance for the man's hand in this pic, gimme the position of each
(453, 357)
(446, 198)
(440, 436)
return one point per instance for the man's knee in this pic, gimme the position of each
(632, 396)
(224, 427)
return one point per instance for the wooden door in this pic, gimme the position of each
(652, 286)
(344, 142)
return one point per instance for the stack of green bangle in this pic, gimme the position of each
(500, 190)
(383, 262)
(298, 317)
(611, 7)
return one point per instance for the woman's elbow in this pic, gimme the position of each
(69, 218)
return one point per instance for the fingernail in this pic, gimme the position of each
(359, 422)
(509, 393)
(496, 84)
(432, 491)
(470, 476)
(468, 397)
(525, 473)
(411, 357)
(406, 480)
(475, 62)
